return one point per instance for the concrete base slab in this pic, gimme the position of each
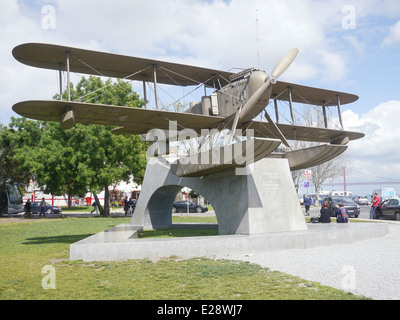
(121, 243)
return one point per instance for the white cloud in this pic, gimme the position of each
(394, 35)
(215, 34)
(377, 152)
(335, 66)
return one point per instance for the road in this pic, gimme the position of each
(364, 212)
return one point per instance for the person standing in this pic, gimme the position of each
(374, 206)
(42, 207)
(126, 207)
(27, 213)
(307, 203)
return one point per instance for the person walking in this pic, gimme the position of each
(94, 204)
(42, 207)
(374, 206)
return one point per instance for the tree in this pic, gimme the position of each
(97, 157)
(56, 161)
(79, 159)
(320, 173)
(111, 158)
(327, 170)
(16, 141)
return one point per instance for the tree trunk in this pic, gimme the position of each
(69, 202)
(104, 210)
(106, 202)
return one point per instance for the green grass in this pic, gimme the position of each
(193, 219)
(80, 209)
(77, 209)
(25, 248)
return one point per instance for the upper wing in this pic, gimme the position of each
(50, 56)
(310, 95)
(133, 120)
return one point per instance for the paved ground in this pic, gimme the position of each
(368, 267)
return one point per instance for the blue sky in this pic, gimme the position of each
(363, 59)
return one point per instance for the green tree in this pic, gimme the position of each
(16, 141)
(91, 156)
(110, 159)
(79, 159)
(56, 161)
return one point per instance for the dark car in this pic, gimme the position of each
(35, 208)
(389, 208)
(187, 206)
(348, 203)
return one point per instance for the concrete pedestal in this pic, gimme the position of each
(262, 201)
(121, 243)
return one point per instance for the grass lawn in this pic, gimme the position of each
(26, 248)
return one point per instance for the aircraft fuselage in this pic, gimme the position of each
(226, 101)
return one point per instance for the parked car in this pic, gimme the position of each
(362, 200)
(35, 208)
(184, 206)
(352, 207)
(389, 208)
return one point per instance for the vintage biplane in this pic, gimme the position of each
(237, 99)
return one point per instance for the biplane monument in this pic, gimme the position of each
(247, 177)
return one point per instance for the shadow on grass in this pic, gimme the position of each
(176, 233)
(57, 239)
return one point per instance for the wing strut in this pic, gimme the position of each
(155, 84)
(68, 78)
(67, 119)
(339, 110)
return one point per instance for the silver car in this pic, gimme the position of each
(362, 200)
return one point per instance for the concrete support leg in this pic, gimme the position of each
(263, 201)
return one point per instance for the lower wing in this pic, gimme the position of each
(303, 133)
(129, 120)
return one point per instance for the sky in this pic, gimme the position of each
(351, 46)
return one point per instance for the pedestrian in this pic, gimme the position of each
(325, 213)
(42, 207)
(342, 214)
(307, 203)
(126, 207)
(27, 213)
(374, 206)
(94, 204)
